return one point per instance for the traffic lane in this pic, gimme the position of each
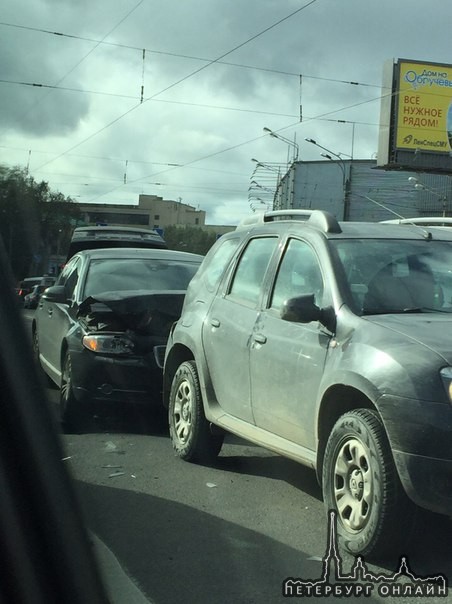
(428, 555)
(193, 533)
(240, 527)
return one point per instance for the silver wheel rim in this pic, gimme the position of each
(183, 411)
(353, 487)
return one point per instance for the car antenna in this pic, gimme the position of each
(426, 233)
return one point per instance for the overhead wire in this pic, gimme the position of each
(243, 143)
(41, 100)
(210, 62)
(185, 78)
(185, 56)
(169, 101)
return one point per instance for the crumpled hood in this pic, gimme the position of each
(142, 311)
(432, 330)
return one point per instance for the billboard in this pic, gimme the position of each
(416, 117)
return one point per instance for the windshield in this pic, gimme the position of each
(131, 274)
(386, 276)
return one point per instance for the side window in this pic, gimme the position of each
(250, 272)
(71, 282)
(216, 265)
(298, 274)
(69, 277)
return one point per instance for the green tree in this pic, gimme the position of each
(34, 221)
(189, 239)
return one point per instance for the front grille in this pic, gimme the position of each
(159, 355)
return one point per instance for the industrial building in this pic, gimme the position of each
(357, 190)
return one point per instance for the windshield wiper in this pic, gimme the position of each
(398, 311)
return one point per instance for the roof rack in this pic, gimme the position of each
(422, 221)
(320, 219)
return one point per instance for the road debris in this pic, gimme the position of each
(113, 474)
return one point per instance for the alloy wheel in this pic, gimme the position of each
(183, 411)
(353, 484)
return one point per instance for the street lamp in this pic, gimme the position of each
(271, 174)
(260, 164)
(420, 186)
(285, 140)
(328, 155)
(341, 166)
(256, 185)
(338, 155)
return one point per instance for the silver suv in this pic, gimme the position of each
(330, 344)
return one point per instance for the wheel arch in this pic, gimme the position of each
(178, 354)
(337, 400)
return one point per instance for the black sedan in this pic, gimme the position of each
(31, 300)
(100, 332)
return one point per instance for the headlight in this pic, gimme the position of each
(108, 344)
(446, 376)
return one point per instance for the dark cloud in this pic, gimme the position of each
(210, 121)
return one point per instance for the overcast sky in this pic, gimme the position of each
(214, 74)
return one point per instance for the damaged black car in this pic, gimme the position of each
(100, 332)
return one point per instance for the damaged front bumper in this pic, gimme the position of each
(96, 377)
(117, 353)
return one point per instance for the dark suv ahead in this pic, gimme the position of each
(330, 344)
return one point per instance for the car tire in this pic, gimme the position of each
(189, 430)
(361, 485)
(73, 413)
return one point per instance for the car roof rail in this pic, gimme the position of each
(325, 221)
(320, 219)
(422, 221)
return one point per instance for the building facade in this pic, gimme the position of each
(151, 212)
(356, 190)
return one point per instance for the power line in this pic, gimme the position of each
(111, 94)
(171, 167)
(189, 57)
(233, 147)
(40, 101)
(183, 79)
(168, 101)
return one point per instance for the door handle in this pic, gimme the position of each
(215, 322)
(260, 338)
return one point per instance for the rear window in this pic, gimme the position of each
(28, 284)
(131, 274)
(94, 239)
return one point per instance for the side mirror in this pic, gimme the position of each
(303, 309)
(56, 293)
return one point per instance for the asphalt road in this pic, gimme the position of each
(225, 534)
